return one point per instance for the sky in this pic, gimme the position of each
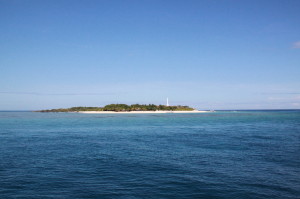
(208, 54)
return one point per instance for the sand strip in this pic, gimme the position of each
(138, 112)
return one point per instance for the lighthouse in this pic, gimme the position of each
(167, 101)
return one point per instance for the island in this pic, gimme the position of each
(124, 108)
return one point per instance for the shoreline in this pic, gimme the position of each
(139, 112)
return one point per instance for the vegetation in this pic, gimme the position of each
(123, 108)
(74, 109)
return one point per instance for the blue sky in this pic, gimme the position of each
(206, 54)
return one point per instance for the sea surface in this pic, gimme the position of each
(225, 154)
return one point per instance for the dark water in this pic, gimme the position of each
(208, 155)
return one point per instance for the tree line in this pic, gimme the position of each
(123, 108)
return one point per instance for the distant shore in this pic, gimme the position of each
(124, 108)
(138, 112)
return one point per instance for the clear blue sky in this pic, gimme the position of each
(207, 54)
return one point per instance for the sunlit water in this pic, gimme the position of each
(244, 154)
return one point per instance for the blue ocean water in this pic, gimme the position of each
(243, 154)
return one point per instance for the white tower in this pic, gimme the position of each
(167, 101)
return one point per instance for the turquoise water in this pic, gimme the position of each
(244, 154)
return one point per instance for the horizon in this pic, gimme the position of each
(209, 55)
(216, 110)
(191, 107)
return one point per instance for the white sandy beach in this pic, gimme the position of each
(139, 112)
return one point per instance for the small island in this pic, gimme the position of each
(124, 108)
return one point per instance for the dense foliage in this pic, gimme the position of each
(74, 109)
(124, 107)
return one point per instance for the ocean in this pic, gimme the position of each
(223, 154)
